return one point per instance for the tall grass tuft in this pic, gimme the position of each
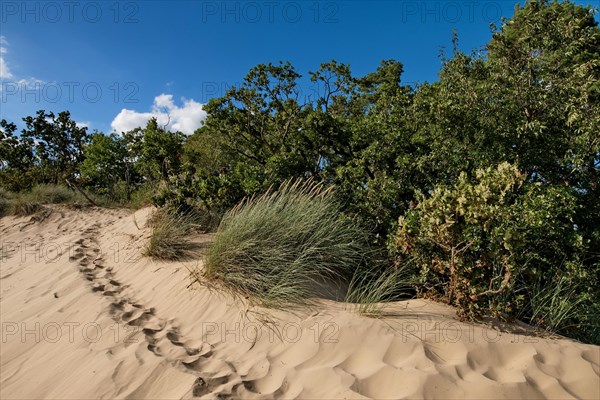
(52, 194)
(141, 197)
(28, 203)
(170, 238)
(557, 305)
(276, 247)
(5, 194)
(369, 289)
(5, 201)
(4, 206)
(23, 208)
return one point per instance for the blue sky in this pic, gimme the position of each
(115, 64)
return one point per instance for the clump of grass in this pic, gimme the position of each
(52, 194)
(23, 208)
(202, 220)
(141, 197)
(5, 201)
(369, 289)
(5, 194)
(274, 247)
(30, 202)
(170, 239)
(556, 305)
(4, 206)
(208, 220)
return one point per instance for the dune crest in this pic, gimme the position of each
(84, 315)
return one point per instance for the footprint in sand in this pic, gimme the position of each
(163, 336)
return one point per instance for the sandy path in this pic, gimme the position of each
(84, 315)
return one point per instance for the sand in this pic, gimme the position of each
(84, 315)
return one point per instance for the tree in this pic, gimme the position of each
(261, 122)
(59, 145)
(17, 160)
(159, 151)
(545, 78)
(105, 163)
(531, 99)
(378, 176)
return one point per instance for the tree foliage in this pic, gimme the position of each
(484, 241)
(59, 144)
(105, 163)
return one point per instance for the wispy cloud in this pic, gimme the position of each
(4, 70)
(186, 118)
(10, 80)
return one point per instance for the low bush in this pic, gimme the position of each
(276, 247)
(182, 192)
(497, 244)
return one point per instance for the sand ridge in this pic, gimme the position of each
(76, 294)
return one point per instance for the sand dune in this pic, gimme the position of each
(84, 315)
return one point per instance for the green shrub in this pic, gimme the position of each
(278, 246)
(179, 193)
(483, 243)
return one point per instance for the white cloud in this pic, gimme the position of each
(13, 84)
(164, 101)
(4, 70)
(127, 120)
(186, 118)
